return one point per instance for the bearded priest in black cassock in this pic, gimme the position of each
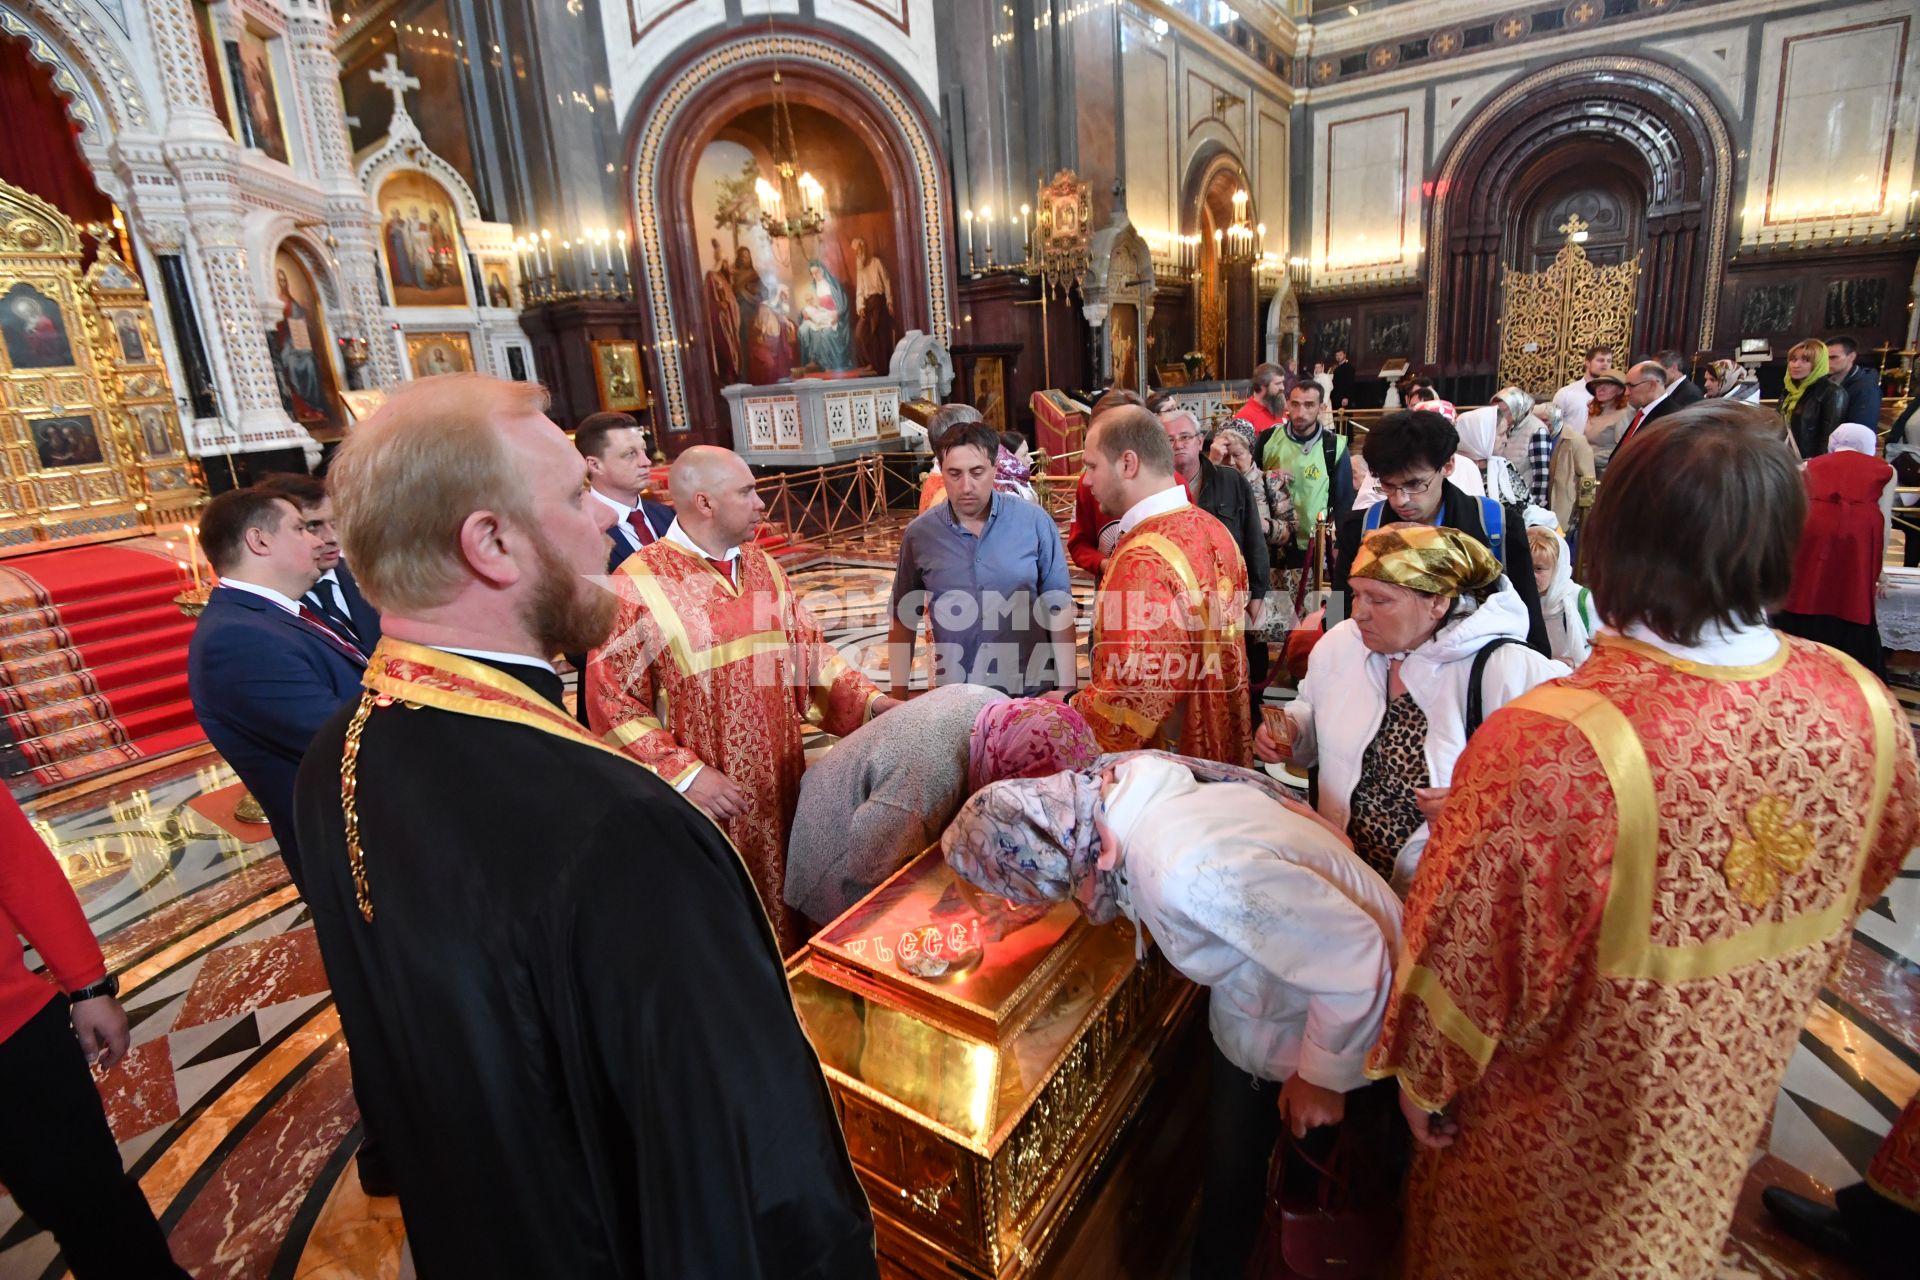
(553, 971)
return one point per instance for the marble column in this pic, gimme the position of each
(349, 212)
(204, 162)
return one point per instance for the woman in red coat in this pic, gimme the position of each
(1837, 573)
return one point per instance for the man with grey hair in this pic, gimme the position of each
(946, 417)
(1226, 496)
(561, 1092)
(1168, 667)
(1653, 397)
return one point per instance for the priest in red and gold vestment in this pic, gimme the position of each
(1643, 877)
(714, 666)
(1169, 670)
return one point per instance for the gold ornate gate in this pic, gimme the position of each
(90, 447)
(1549, 318)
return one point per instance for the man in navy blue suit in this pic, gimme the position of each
(336, 596)
(264, 670)
(618, 467)
(615, 448)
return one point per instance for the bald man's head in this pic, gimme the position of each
(714, 497)
(703, 468)
(1646, 382)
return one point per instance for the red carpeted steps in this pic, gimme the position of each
(93, 664)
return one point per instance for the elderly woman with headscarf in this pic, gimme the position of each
(876, 800)
(1836, 573)
(1013, 467)
(1572, 478)
(1731, 380)
(1246, 893)
(1810, 404)
(1565, 605)
(1499, 436)
(1386, 706)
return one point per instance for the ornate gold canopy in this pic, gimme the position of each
(1549, 318)
(90, 445)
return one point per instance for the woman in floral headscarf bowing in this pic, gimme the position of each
(1243, 891)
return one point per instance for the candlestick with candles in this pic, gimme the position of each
(986, 222)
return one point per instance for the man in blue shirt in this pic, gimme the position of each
(990, 572)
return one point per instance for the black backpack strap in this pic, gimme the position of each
(1476, 704)
(1330, 448)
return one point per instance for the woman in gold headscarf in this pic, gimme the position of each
(1434, 621)
(1810, 403)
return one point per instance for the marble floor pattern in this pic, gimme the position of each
(234, 1113)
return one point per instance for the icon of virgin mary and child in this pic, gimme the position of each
(826, 322)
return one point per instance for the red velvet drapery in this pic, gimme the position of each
(39, 145)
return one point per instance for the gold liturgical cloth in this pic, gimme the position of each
(979, 1102)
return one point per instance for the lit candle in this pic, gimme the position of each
(967, 217)
(621, 236)
(1026, 234)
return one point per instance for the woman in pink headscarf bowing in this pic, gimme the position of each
(881, 796)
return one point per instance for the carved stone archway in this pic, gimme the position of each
(1643, 109)
(668, 133)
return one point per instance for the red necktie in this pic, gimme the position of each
(724, 566)
(637, 521)
(1632, 427)
(314, 620)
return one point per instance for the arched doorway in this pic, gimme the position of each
(1625, 138)
(871, 137)
(1223, 292)
(1596, 183)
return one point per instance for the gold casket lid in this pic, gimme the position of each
(967, 1051)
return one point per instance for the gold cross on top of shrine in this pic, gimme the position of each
(1573, 226)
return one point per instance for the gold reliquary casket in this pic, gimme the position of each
(993, 1067)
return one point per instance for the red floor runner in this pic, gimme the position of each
(97, 677)
(79, 572)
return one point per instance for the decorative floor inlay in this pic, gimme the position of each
(235, 1114)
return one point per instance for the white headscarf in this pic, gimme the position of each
(1477, 428)
(1855, 438)
(1560, 608)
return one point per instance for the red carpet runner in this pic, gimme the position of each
(93, 664)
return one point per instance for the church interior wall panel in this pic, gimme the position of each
(1836, 119)
(1717, 59)
(901, 30)
(1096, 103)
(1374, 329)
(1272, 191)
(1367, 185)
(1147, 70)
(1860, 290)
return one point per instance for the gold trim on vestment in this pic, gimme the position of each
(538, 714)
(1705, 670)
(1091, 702)
(735, 581)
(673, 631)
(1424, 985)
(1626, 946)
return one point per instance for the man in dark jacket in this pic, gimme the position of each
(1859, 383)
(1223, 494)
(1412, 454)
